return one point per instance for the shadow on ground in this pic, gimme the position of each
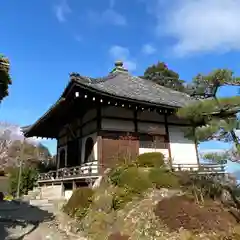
(18, 219)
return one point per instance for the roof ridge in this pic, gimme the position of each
(95, 80)
(163, 87)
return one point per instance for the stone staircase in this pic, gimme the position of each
(32, 194)
(43, 200)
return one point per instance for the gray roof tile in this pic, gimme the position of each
(124, 85)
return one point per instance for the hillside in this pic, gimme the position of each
(146, 200)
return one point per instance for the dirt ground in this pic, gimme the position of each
(182, 212)
(25, 222)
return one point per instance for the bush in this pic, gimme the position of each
(131, 182)
(121, 197)
(27, 182)
(134, 180)
(200, 186)
(115, 174)
(162, 178)
(79, 202)
(153, 159)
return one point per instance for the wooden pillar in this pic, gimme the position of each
(168, 138)
(99, 139)
(135, 120)
(63, 190)
(74, 186)
(135, 113)
(80, 144)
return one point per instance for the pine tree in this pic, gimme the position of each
(5, 79)
(162, 75)
(213, 118)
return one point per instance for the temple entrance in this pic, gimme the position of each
(62, 158)
(73, 153)
(88, 156)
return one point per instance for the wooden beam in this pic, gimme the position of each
(168, 138)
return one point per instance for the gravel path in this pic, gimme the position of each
(26, 222)
(48, 231)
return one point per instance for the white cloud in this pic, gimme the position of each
(199, 25)
(121, 53)
(15, 133)
(148, 49)
(62, 9)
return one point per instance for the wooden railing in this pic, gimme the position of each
(85, 170)
(200, 169)
(91, 170)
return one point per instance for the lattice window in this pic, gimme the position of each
(156, 142)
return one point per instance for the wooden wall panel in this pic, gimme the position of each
(115, 149)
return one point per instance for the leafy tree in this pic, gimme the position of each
(5, 79)
(27, 181)
(213, 118)
(32, 154)
(162, 75)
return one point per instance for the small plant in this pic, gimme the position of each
(162, 178)
(115, 174)
(201, 186)
(131, 182)
(153, 159)
(121, 197)
(8, 198)
(79, 202)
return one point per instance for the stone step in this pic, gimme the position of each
(38, 202)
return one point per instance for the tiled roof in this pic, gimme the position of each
(121, 84)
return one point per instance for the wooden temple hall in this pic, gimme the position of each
(98, 120)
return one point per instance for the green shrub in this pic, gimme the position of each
(27, 182)
(134, 180)
(162, 178)
(185, 178)
(121, 197)
(115, 174)
(131, 182)
(200, 186)
(153, 159)
(79, 202)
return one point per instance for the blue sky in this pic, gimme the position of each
(46, 40)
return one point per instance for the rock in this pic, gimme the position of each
(226, 198)
(98, 182)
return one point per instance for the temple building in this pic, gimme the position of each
(99, 120)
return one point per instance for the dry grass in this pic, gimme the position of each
(138, 221)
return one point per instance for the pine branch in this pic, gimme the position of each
(206, 86)
(201, 112)
(220, 158)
